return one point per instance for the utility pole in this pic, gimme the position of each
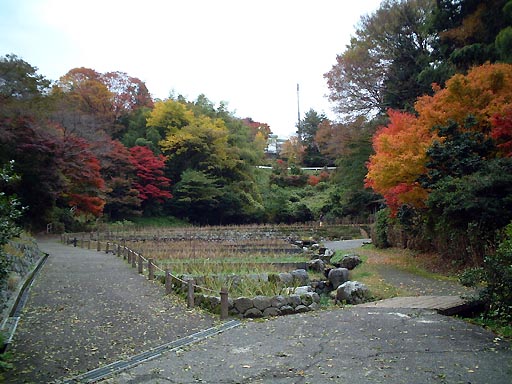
(299, 130)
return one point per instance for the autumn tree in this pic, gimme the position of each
(150, 181)
(128, 93)
(122, 198)
(84, 184)
(88, 102)
(399, 160)
(501, 132)
(293, 151)
(401, 146)
(258, 128)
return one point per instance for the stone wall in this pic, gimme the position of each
(21, 255)
(263, 306)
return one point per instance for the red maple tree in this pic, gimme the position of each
(81, 170)
(150, 180)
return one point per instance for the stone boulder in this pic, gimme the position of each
(316, 265)
(242, 304)
(337, 276)
(300, 276)
(353, 292)
(303, 289)
(262, 302)
(328, 252)
(279, 301)
(349, 261)
(253, 313)
(286, 278)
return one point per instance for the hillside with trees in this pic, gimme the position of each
(422, 102)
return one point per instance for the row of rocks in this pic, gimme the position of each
(302, 300)
(349, 261)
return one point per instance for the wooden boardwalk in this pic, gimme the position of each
(445, 305)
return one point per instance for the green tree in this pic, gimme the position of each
(468, 31)
(197, 197)
(503, 44)
(381, 66)
(19, 81)
(306, 131)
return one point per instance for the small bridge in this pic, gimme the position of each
(445, 305)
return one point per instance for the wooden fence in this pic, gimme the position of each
(137, 260)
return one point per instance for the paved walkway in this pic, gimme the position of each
(352, 346)
(88, 309)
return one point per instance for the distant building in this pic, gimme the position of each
(274, 146)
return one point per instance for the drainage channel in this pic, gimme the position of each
(118, 366)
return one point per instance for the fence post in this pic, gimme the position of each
(190, 294)
(125, 253)
(127, 257)
(99, 244)
(106, 248)
(82, 241)
(224, 303)
(141, 267)
(168, 282)
(134, 260)
(151, 269)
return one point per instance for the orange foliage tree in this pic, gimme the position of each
(399, 160)
(485, 93)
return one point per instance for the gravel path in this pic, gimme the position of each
(88, 309)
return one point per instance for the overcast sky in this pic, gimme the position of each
(251, 54)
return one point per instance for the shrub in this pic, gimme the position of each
(313, 180)
(496, 276)
(380, 232)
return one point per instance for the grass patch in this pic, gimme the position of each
(501, 329)
(420, 264)
(368, 274)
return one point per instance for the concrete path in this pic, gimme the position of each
(88, 309)
(353, 346)
(345, 244)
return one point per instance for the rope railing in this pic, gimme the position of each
(136, 259)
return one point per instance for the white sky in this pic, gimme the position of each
(249, 53)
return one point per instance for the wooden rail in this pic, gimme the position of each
(136, 259)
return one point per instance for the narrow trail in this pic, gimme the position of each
(408, 282)
(87, 309)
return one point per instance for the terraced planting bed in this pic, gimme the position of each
(242, 258)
